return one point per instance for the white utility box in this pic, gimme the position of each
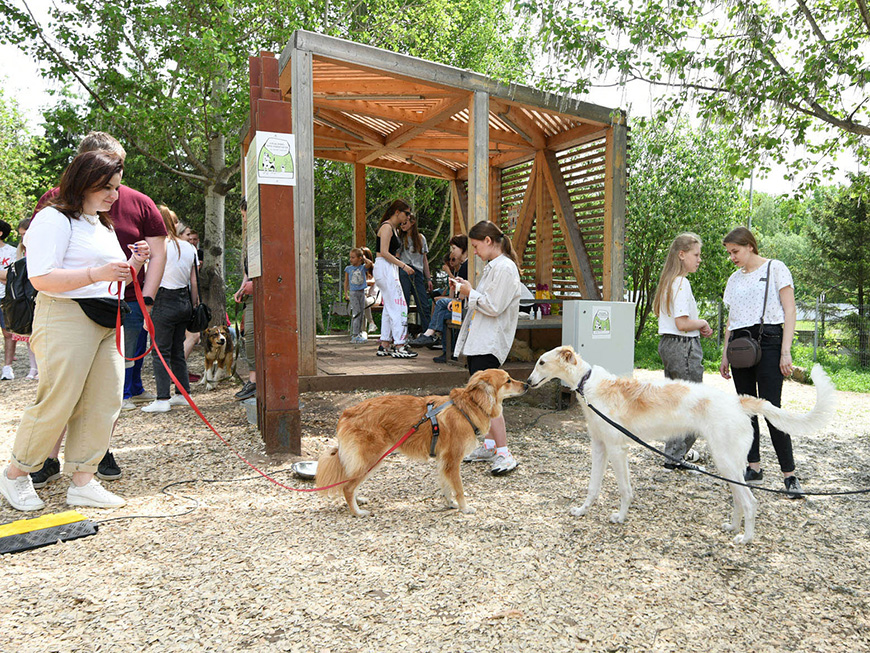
(601, 332)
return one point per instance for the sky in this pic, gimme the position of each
(20, 79)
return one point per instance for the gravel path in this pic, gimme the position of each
(245, 565)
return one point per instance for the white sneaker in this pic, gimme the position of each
(142, 398)
(157, 406)
(33, 374)
(177, 400)
(481, 454)
(20, 492)
(128, 405)
(503, 464)
(7, 374)
(692, 456)
(93, 495)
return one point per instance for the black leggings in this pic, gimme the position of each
(765, 380)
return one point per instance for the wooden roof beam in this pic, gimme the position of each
(353, 128)
(520, 123)
(409, 132)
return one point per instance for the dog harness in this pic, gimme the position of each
(582, 384)
(431, 415)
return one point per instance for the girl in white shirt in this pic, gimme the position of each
(680, 329)
(744, 297)
(173, 307)
(490, 324)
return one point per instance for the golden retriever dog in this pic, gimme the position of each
(218, 356)
(367, 430)
(666, 409)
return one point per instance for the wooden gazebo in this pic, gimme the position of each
(512, 154)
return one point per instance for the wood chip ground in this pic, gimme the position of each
(214, 558)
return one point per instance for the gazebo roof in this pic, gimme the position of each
(393, 111)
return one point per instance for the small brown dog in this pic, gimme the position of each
(366, 431)
(218, 356)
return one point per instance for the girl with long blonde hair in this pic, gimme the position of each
(680, 329)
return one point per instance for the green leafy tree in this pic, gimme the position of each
(170, 79)
(679, 182)
(777, 73)
(840, 236)
(17, 168)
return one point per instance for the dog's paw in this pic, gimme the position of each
(362, 513)
(617, 518)
(742, 539)
(468, 510)
(579, 512)
(362, 501)
(728, 527)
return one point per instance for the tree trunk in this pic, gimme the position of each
(212, 272)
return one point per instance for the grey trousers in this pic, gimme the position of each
(357, 310)
(683, 359)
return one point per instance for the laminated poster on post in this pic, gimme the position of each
(276, 158)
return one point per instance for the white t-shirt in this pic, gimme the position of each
(54, 242)
(684, 306)
(7, 257)
(744, 295)
(179, 264)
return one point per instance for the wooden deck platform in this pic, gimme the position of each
(343, 366)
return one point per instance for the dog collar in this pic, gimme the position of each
(582, 384)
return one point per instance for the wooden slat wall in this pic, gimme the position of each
(583, 168)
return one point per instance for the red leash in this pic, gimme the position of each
(149, 326)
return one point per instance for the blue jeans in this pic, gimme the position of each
(135, 339)
(417, 285)
(172, 311)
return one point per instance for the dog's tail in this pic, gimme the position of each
(792, 423)
(330, 470)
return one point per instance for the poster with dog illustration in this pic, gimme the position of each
(276, 158)
(601, 323)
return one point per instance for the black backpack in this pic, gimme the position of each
(20, 301)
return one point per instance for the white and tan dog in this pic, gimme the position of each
(667, 409)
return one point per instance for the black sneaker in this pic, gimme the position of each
(108, 469)
(793, 488)
(248, 390)
(750, 475)
(382, 351)
(50, 471)
(422, 341)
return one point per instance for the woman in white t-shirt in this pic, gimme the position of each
(173, 307)
(744, 297)
(74, 261)
(680, 330)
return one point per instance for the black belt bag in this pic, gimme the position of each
(103, 310)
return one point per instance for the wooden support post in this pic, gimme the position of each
(526, 216)
(359, 205)
(570, 228)
(495, 196)
(478, 173)
(275, 330)
(303, 205)
(460, 206)
(543, 231)
(616, 151)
